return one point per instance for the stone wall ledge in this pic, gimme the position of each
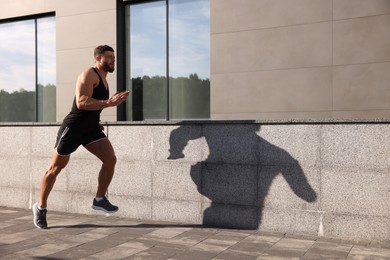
(218, 122)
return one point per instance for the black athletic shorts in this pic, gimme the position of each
(70, 137)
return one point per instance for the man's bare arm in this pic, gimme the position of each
(84, 90)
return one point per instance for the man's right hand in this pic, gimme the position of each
(118, 98)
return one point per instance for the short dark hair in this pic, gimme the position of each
(99, 50)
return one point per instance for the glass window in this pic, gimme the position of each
(17, 77)
(27, 79)
(147, 59)
(168, 59)
(189, 59)
(46, 74)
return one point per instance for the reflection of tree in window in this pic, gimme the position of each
(190, 97)
(19, 106)
(169, 59)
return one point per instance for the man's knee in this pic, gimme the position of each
(110, 160)
(54, 170)
(113, 160)
(57, 164)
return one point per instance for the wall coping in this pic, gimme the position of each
(215, 122)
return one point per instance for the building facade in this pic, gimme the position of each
(268, 59)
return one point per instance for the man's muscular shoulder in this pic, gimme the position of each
(89, 77)
(94, 78)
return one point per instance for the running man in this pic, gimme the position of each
(81, 127)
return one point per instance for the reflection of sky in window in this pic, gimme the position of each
(189, 32)
(46, 51)
(189, 38)
(148, 51)
(17, 54)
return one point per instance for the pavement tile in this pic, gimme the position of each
(289, 247)
(303, 237)
(105, 231)
(136, 231)
(179, 237)
(91, 235)
(271, 234)
(185, 240)
(233, 255)
(329, 239)
(287, 253)
(63, 223)
(364, 252)
(311, 256)
(22, 245)
(293, 244)
(8, 211)
(118, 251)
(81, 238)
(102, 244)
(40, 251)
(12, 215)
(156, 252)
(263, 238)
(165, 233)
(73, 231)
(19, 227)
(4, 225)
(328, 250)
(19, 236)
(68, 239)
(162, 243)
(215, 245)
(138, 244)
(251, 247)
(207, 232)
(77, 236)
(229, 235)
(194, 255)
(114, 253)
(121, 237)
(75, 252)
(8, 252)
(380, 245)
(268, 257)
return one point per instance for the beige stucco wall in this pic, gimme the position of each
(273, 59)
(80, 27)
(270, 59)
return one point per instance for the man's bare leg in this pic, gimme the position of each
(105, 152)
(49, 178)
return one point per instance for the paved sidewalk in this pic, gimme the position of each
(75, 236)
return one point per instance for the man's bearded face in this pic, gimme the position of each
(107, 61)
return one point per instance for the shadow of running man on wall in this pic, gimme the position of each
(238, 172)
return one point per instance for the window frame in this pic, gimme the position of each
(122, 52)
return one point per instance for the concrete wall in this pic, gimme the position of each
(303, 178)
(273, 59)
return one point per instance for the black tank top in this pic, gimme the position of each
(87, 117)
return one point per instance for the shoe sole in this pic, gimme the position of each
(103, 209)
(35, 217)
